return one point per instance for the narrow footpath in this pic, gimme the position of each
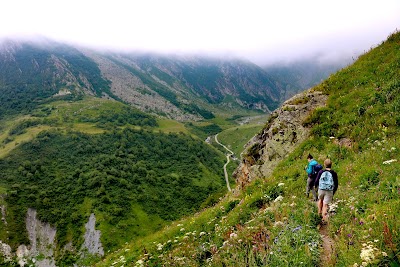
(228, 159)
(328, 252)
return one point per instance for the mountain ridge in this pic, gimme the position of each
(183, 88)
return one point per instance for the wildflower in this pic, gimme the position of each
(392, 148)
(278, 224)
(389, 161)
(368, 253)
(355, 265)
(139, 263)
(182, 229)
(233, 235)
(202, 233)
(364, 263)
(279, 198)
(384, 254)
(298, 228)
(160, 246)
(281, 184)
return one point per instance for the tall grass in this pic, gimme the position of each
(271, 223)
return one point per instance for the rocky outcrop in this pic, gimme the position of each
(3, 211)
(43, 245)
(283, 132)
(42, 242)
(92, 238)
(5, 251)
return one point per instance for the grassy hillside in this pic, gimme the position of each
(272, 223)
(136, 173)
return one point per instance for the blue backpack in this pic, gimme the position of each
(326, 181)
(315, 169)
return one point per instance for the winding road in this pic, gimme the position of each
(228, 159)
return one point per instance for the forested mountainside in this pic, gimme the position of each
(268, 220)
(96, 171)
(183, 88)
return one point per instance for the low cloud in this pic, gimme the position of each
(261, 31)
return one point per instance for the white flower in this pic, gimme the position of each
(281, 184)
(279, 198)
(278, 224)
(139, 263)
(182, 229)
(160, 246)
(389, 161)
(367, 254)
(233, 235)
(384, 254)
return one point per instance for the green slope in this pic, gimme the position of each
(271, 223)
(134, 172)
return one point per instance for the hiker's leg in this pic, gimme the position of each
(320, 201)
(314, 192)
(325, 212)
(327, 199)
(320, 205)
(310, 184)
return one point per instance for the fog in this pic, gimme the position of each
(261, 31)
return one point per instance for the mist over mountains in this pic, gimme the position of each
(178, 87)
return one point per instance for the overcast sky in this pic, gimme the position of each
(261, 31)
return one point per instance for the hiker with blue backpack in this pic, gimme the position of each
(312, 170)
(327, 182)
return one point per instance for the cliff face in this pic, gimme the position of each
(43, 244)
(282, 133)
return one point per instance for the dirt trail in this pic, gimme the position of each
(228, 156)
(328, 250)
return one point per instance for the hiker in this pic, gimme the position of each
(312, 171)
(327, 182)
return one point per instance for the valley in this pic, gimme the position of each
(118, 179)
